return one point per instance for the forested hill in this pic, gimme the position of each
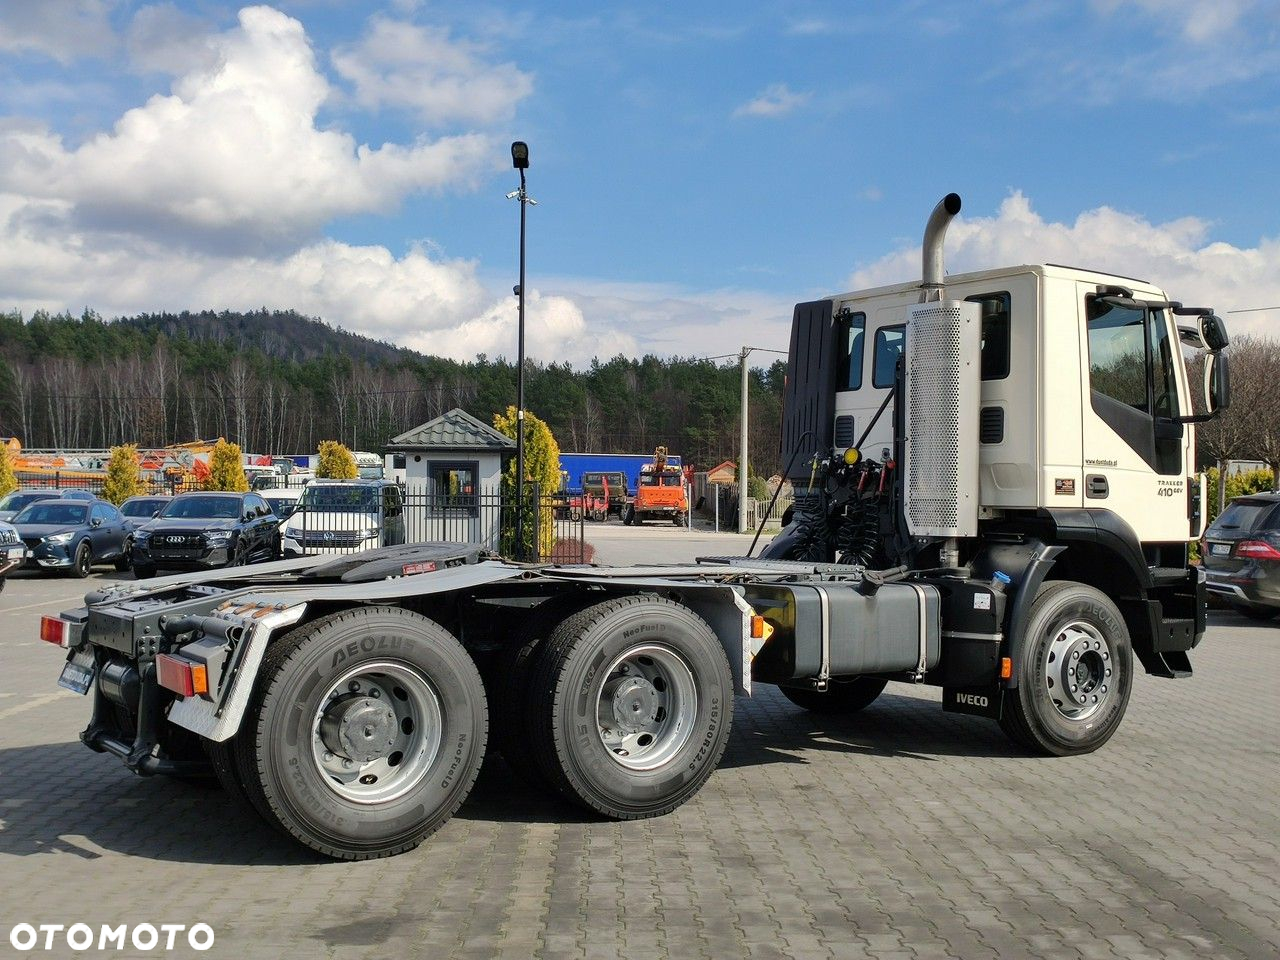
(278, 382)
(284, 335)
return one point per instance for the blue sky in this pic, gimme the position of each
(699, 167)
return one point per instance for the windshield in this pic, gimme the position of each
(339, 498)
(204, 508)
(16, 501)
(53, 511)
(142, 508)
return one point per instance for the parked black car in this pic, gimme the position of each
(1241, 555)
(12, 550)
(71, 535)
(197, 531)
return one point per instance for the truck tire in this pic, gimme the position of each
(841, 696)
(1075, 670)
(511, 696)
(385, 684)
(629, 517)
(631, 705)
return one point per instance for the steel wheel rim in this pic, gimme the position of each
(399, 704)
(646, 706)
(1079, 670)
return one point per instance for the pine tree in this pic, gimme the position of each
(336, 462)
(226, 468)
(124, 475)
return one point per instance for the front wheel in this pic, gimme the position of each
(629, 517)
(1075, 672)
(631, 705)
(366, 733)
(125, 560)
(82, 562)
(841, 696)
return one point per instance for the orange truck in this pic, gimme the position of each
(660, 494)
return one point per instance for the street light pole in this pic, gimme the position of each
(520, 160)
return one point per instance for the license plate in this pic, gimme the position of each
(14, 553)
(1219, 549)
(78, 671)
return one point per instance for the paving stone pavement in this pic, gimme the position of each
(903, 832)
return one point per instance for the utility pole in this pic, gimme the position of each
(742, 455)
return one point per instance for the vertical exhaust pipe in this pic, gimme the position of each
(933, 275)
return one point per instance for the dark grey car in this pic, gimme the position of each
(1241, 555)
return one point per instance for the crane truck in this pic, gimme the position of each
(998, 484)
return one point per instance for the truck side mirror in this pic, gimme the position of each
(1213, 332)
(1217, 381)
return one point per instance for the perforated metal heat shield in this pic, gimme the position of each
(943, 362)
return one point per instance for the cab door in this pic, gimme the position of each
(1134, 447)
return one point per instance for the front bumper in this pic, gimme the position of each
(186, 558)
(293, 547)
(51, 556)
(12, 555)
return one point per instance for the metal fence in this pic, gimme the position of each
(94, 484)
(487, 520)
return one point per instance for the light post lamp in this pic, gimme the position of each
(520, 161)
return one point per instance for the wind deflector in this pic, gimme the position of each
(810, 396)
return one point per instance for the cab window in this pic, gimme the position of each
(853, 328)
(1118, 354)
(995, 309)
(888, 349)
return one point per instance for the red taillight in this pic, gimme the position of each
(1257, 550)
(420, 566)
(56, 631)
(181, 675)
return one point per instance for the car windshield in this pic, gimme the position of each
(211, 508)
(339, 497)
(17, 500)
(53, 511)
(141, 508)
(1243, 515)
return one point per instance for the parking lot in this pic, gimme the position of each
(900, 832)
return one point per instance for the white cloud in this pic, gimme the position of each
(232, 158)
(1199, 21)
(421, 68)
(61, 29)
(776, 100)
(1179, 256)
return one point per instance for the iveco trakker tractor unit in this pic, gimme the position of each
(997, 497)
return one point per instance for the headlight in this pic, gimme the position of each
(220, 539)
(59, 538)
(141, 536)
(368, 533)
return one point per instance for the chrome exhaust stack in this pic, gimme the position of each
(933, 273)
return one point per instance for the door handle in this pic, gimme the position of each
(1096, 487)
